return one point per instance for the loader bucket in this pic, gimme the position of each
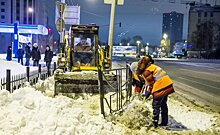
(81, 82)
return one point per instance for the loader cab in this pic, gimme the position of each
(84, 47)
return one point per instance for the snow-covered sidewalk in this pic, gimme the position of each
(15, 68)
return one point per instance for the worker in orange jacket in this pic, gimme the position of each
(159, 85)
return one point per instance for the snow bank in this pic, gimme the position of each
(29, 112)
(135, 116)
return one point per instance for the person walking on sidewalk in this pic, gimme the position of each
(158, 84)
(20, 54)
(36, 55)
(48, 57)
(9, 54)
(28, 54)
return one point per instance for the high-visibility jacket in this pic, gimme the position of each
(160, 82)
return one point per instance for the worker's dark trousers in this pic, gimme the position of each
(160, 105)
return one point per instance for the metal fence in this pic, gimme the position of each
(122, 92)
(13, 82)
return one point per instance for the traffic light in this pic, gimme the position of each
(49, 30)
(119, 24)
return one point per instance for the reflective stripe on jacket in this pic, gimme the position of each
(159, 82)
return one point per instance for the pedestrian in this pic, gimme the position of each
(20, 54)
(36, 55)
(9, 54)
(159, 85)
(48, 57)
(28, 54)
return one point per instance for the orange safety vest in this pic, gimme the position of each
(161, 79)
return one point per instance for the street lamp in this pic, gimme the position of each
(128, 44)
(30, 10)
(138, 46)
(120, 44)
(166, 44)
(147, 44)
(147, 49)
(165, 36)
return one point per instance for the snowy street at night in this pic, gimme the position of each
(33, 110)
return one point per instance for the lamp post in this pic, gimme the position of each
(30, 11)
(147, 49)
(166, 44)
(138, 47)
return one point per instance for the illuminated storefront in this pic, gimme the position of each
(20, 32)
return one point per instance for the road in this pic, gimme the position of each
(197, 80)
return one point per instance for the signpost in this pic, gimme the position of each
(60, 24)
(16, 38)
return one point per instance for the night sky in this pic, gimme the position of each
(138, 17)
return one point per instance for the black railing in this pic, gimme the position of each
(13, 82)
(121, 93)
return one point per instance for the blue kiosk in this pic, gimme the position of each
(17, 29)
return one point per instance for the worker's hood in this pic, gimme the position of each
(133, 67)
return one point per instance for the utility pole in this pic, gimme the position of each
(112, 22)
(111, 30)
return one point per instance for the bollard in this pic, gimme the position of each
(39, 69)
(28, 73)
(54, 67)
(39, 72)
(8, 80)
(101, 91)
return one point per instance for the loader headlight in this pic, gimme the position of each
(63, 59)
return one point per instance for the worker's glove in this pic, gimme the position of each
(145, 91)
(141, 79)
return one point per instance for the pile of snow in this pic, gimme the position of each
(138, 113)
(135, 116)
(29, 112)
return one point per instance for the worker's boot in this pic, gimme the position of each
(155, 124)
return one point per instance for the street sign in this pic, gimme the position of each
(72, 15)
(108, 1)
(60, 7)
(119, 2)
(60, 24)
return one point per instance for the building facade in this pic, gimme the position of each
(199, 17)
(30, 12)
(173, 27)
